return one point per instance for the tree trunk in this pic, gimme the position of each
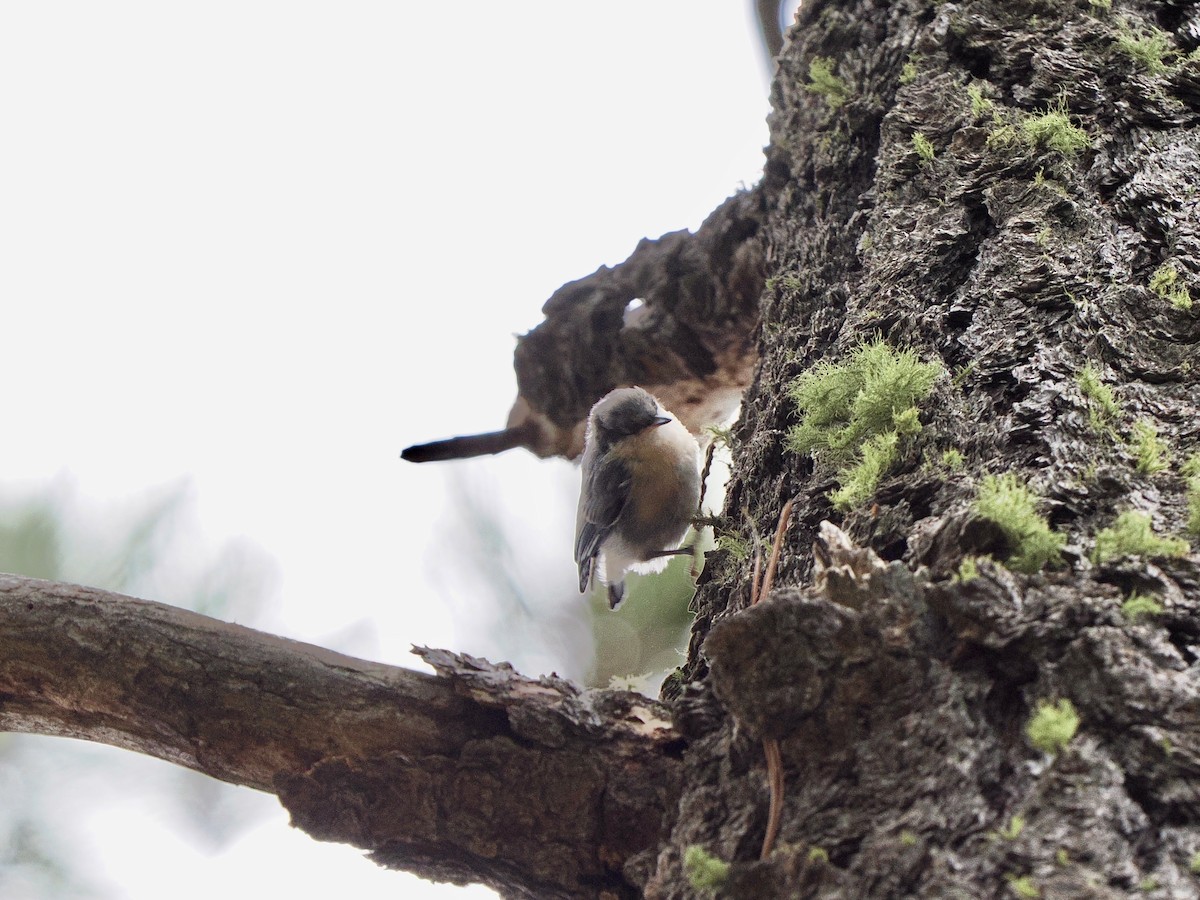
(1010, 190)
(1012, 260)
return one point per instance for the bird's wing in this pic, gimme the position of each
(606, 491)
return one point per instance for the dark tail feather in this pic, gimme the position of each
(471, 445)
(616, 594)
(585, 573)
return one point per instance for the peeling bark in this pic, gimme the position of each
(677, 318)
(688, 338)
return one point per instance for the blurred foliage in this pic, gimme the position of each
(501, 578)
(148, 546)
(645, 639)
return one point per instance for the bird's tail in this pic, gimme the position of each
(616, 594)
(468, 445)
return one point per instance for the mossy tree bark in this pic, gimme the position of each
(1026, 236)
(1021, 250)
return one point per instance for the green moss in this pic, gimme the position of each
(854, 412)
(1148, 884)
(964, 373)
(1012, 830)
(1191, 471)
(721, 436)
(1194, 863)
(1062, 857)
(1147, 49)
(1140, 605)
(1052, 726)
(907, 423)
(1149, 450)
(1166, 284)
(1049, 130)
(907, 838)
(818, 855)
(735, 545)
(1023, 886)
(1191, 466)
(821, 80)
(1100, 4)
(923, 146)
(1053, 130)
(1164, 279)
(909, 73)
(953, 460)
(704, 871)
(980, 105)
(1102, 405)
(860, 480)
(1002, 134)
(1012, 506)
(843, 404)
(968, 569)
(1131, 535)
(1042, 238)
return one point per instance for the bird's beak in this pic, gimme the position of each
(660, 420)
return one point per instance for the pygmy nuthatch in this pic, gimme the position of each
(641, 488)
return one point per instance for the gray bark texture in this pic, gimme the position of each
(914, 191)
(901, 705)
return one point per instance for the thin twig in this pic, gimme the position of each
(705, 472)
(780, 531)
(775, 780)
(771, 745)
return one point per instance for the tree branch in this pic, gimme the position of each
(475, 774)
(677, 318)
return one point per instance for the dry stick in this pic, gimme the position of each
(780, 530)
(705, 472)
(775, 782)
(771, 745)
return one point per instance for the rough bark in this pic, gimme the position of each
(476, 774)
(688, 336)
(901, 715)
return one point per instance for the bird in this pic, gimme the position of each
(640, 489)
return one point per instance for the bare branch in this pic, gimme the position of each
(474, 774)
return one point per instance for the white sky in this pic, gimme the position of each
(266, 245)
